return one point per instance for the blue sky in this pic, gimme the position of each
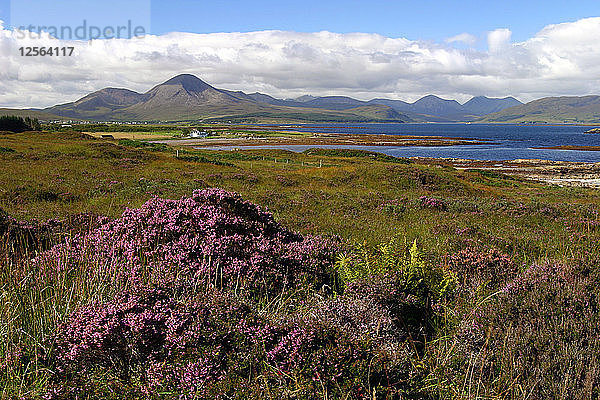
(414, 19)
(432, 20)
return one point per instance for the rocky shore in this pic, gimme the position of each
(560, 173)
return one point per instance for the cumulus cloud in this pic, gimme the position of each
(562, 59)
(498, 40)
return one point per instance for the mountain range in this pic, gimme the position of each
(556, 110)
(187, 98)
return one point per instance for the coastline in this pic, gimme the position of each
(561, 173)
(569, 147)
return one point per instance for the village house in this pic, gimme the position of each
(195, 133)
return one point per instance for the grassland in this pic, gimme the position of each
(80, 170)
(518, 316)
(173, 131)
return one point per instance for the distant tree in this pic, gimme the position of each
(33, 123)
(16, 124)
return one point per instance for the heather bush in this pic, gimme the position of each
(151, 342)
(432, 203)
(480, 270)
(394, 326)
(537, 338)
(209, 346)
(212, 238)
(197, 338)
(360, 316)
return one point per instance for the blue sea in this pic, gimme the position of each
(509, 141)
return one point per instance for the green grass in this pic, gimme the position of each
(54, 175)
(169, 131)
(364, 199)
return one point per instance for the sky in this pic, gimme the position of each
(433, 20)
(401, 49)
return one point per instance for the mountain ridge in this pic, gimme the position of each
(185, 97)
(430, 108)
(481, 105)
(560, 109)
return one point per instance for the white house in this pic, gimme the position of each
(195, 133)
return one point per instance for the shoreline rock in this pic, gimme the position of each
(561, 173)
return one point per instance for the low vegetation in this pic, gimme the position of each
(129, 272)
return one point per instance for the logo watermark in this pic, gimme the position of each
(81, 20)
(83, 31)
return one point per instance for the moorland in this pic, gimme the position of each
(128, 271)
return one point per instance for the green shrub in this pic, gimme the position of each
(351, 153)
(417, 275)
(139, 144)
(206, 160)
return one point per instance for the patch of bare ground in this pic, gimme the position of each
(560, 173)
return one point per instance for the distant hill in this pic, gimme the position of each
(584, 109)
(188, 98)
(482, 105)
(265, 98)
(172, 100)
(436, 109)
(334, 103)
(31, 113)
(433, 105)
(429, 108)
(305, 98)
(98, 105)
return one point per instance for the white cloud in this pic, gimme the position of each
(498, 40)
(562, 59)
(466, 38)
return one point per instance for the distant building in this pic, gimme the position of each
(195, 133)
